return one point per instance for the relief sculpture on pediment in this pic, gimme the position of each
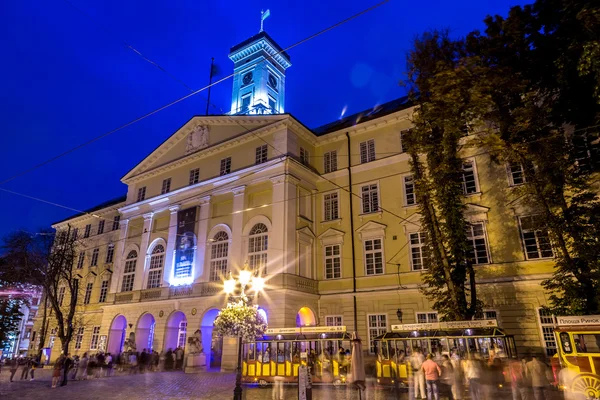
(197, 139)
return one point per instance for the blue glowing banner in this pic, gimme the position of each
(185, 247)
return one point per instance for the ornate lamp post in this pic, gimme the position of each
(244, 281)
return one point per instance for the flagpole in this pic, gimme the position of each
(212, 61)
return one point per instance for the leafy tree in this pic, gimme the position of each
(10, 317)
(48, 263)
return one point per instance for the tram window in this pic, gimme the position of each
(565, 342)
(587, 343)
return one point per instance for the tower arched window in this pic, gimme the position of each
(219, 251)
(157, 261)
(258, 242)
(129, 271)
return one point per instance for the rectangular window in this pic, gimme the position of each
(377, 326)
(101, 227)
(370, 198)
(81, 260)
(103, 291)
(367, 151)
(403, 146)
(477, 244)
(331, 206)
(194, 176)
(166, 186)
(469, 182)
(127, 285)
(95, 338)
(261, 154)
(110, 253)
(218, 263)
(246, 103)
(61, 295)
(88, 293)
(547, 325)
(78, 338)
(272, 105)
(330, 161)
(534, 235)
(487, 314)
(225, 166)
(418, 256)
(427, 317)
(116, 221)
(141, 194)
(373, 256)
(334, 320)
(75, 234)
(516, 175)
(95, 254)
(304, 156)
(88, 230)
(333, 262)
(409, 191)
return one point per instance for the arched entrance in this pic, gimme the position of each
(212, 344)
(144, 332)
(176, 331)
(306, 317)
(116, 335)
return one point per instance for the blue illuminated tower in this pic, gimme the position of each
(259, 80)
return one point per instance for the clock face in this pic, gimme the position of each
(247, 79)
(272, 81)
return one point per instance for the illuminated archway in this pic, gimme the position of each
(211, 344)
(116, 335)
(176, 331)
(144, 332)
(306, 317)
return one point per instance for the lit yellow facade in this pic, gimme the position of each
(286, 193)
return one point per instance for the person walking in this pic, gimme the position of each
(178, 358)
(133, 363)
(26, 368)
(432, 371)
(143, 361)
(447, 378)
(12, 367)
(109, 364)
(169, 360)
(536, 371)
(416, 362)
(458, 386)
(101, 359)
(58, 367)
(473, 375)
(35, 362)
(67, 364)
(82, 368)
(75, 367)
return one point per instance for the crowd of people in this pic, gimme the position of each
(436, 374)
(98, 365)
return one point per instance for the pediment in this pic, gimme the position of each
(306, 231)
(476, 209)
(372, 229)
(201, 134)
(332, 236)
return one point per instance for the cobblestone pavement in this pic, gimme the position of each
(173, 385)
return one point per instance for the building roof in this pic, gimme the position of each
(364, 116)
(255, 38)
(106, 204)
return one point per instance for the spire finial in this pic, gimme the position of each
(263, 15)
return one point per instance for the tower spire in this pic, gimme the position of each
(263, 15)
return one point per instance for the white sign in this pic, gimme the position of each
(579, 320)
(306, 329)
(475, 324)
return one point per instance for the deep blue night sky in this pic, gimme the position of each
(66, 80)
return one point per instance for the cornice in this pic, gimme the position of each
(95, 215)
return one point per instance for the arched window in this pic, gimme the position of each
(219, 250)
(182, 334)
(257, 248)
(129, 271)
(156, 266)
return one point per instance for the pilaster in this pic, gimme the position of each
(199, 273)
(141, 272)
(119, 263)
(237, 224)
(170, 251)
(282, 240)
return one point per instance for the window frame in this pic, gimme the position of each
(129, 271)
(333, 211)
(103, 291)
(194, 176)
(472, 239)
(100, 230)
(334, 318)
(88, 293)
(366, 253)
(78, 337)
(405, 178)
(428, 315)
(116, 222)
(511, 174)
(95, 339)
(402, 133)
(81, 260)
(370, 200)
(367, 151)
(141, 195)
(261, 154)
(546, 341)
(304, 156)
(95, 257)
(218, 262)
(110, 254)
(378, 329)
(156, 265)
(524, 245)
(475, 177)
(258, 259)
(330, 161)
(422, 237)
(88, 231)
(332, 257)
(225, 168)
(166, 186)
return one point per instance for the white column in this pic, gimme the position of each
(140, 272)
(282, 239)
(119, 263)
(237, 224)
(199, 272)
(170, 251)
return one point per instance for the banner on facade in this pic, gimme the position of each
(579, 320)
(306, 329)
(185, 246)
(475, 324)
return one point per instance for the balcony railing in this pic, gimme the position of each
(206, 289)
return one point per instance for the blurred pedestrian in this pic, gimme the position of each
(12, 367)
(82, 368)
(432, 371)
(516, 375)
(537, 370)
(58, 368)
(473, 373)
(447, 378)
(416, 362)
(26, 368)
(67, 364)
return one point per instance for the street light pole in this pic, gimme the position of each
(237, 391)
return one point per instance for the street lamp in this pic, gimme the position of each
(246, 279)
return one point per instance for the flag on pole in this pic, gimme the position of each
(264, 15)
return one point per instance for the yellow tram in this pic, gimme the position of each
(280, 352)
(462, 338)
(576, 365)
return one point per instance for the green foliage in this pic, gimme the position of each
(240, 319)
(10, 317)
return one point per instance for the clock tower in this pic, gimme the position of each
(259, 76)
